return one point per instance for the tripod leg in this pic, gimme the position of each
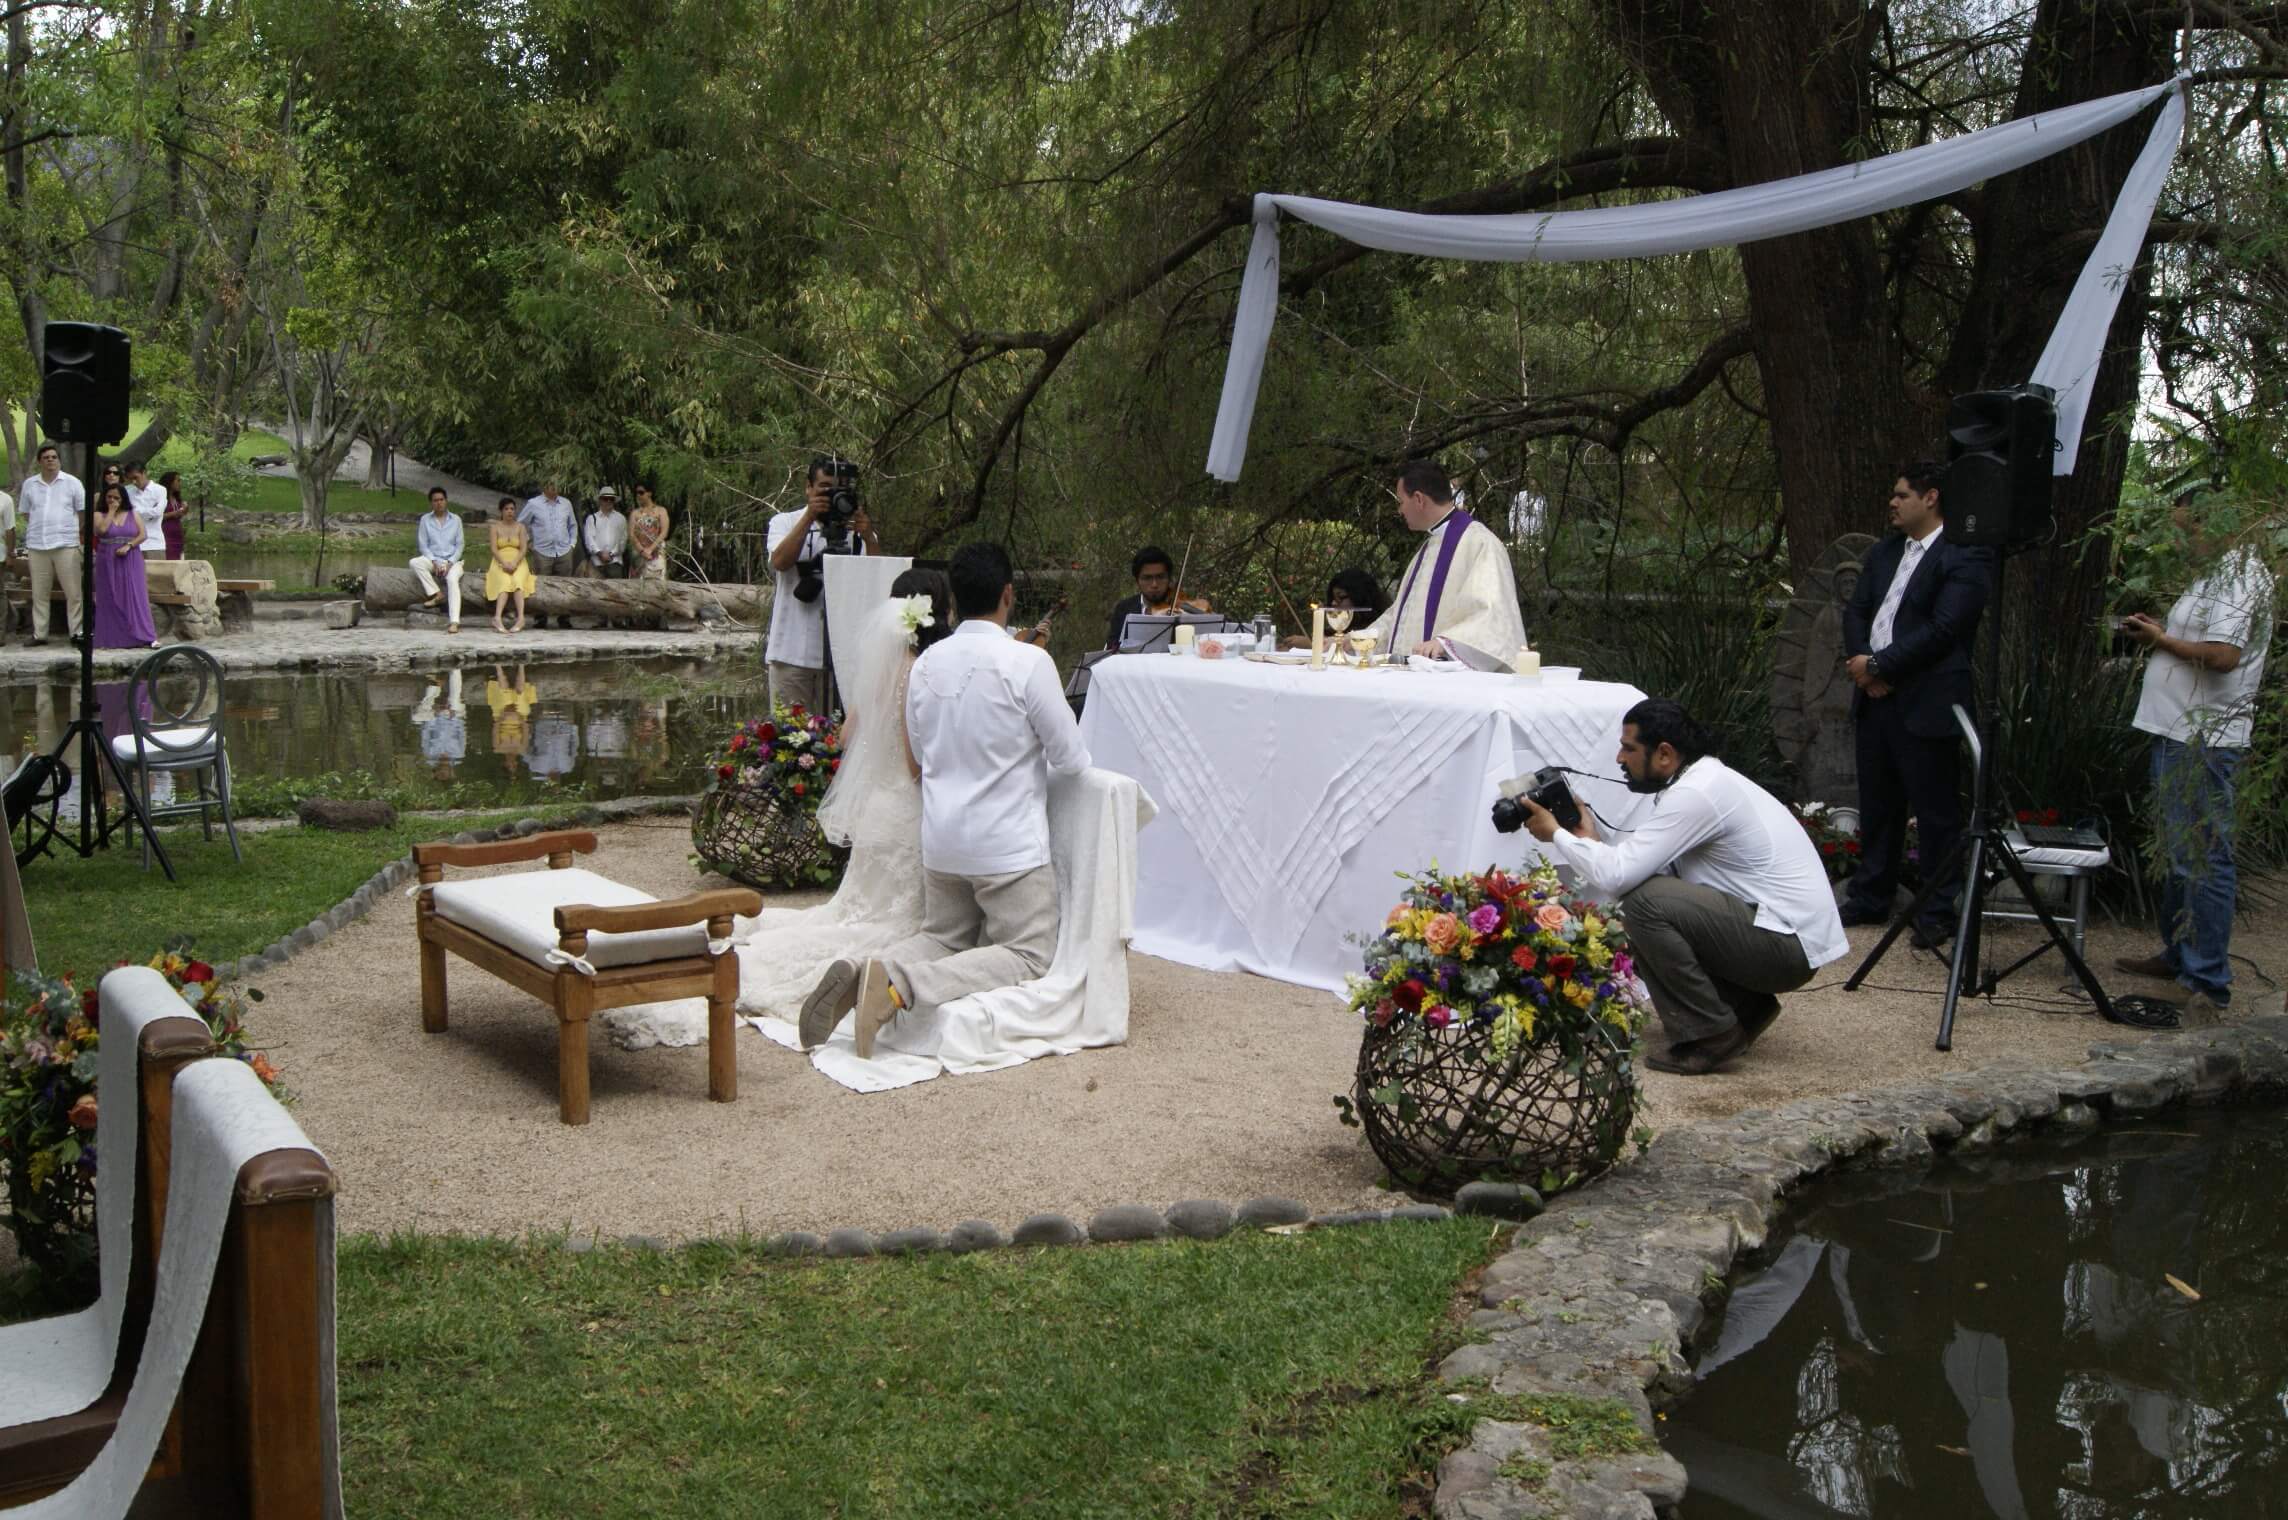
(1965, 935)
(1943, 871)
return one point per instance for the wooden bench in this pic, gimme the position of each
(601, 954)
(247, 1433)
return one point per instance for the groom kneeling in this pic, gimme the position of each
(986, 721)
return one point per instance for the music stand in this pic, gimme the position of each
(1144, 632)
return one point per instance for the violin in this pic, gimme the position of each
(1039, 632)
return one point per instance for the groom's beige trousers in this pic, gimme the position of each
(978, 933)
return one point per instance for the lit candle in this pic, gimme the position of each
(1318, 637)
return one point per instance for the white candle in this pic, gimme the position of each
(1184, 632)
(1527, 664)
(1318, 637)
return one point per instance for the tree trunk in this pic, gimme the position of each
(378, 450)
(570, 596)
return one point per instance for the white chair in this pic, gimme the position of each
(174, 704)
(2077, 865)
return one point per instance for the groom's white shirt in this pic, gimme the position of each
(988, 722)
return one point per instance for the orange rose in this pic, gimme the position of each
(1551, 917)
(1442, 934)
(82, 1113)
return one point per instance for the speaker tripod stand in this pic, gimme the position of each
(1984, 857)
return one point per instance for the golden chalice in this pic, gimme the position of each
(1362, 647)
(1338, 623)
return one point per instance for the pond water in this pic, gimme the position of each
(598, 729)
(2001, 1337)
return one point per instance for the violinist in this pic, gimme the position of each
(1156, 593)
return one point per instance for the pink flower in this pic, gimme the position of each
(1551, 917)
(1438, 1017)
(1443, 934)
(807, 762)
(1384, 1011)
(1624, 965)
(1485, 918)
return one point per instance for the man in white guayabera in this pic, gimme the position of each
(987, 722)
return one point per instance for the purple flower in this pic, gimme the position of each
(1485, 918)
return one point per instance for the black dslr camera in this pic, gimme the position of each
(1546, 787)
(834, 525)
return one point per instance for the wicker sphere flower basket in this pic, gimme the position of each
(1442, 1109)
(749, 835)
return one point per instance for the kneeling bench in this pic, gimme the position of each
(579, 942)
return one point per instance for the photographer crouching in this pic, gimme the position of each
(831, 520)
(1747, 914)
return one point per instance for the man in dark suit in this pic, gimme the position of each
(1907, 637)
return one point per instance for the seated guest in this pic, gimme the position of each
(1357, 591)
(1748, 912)
(1459, 586)
(1155, 576)
(439, 545)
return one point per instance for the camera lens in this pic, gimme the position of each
(1508, 816)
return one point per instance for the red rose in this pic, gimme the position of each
(832, 766)
(1382, 1013)
(1522, 957)
(738, 743)
(799, 789)
(1561, 966)
(724, 771)
(1408, 994)
(198, 971)
(769, 734)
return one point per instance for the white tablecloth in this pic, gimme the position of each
(1297, 794)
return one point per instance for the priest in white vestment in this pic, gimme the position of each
(1459, 586)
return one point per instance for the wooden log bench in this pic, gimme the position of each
(248, 1429)
(581, 943)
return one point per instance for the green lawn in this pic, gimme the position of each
(89, 914)
(1261, 1375)
(267, 493)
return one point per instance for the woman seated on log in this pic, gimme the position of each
(508, 575)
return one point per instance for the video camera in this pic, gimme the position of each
(834, 524)
(1547, 788)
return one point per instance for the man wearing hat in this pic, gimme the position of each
(606, 536)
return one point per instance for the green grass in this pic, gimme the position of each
(88, 914)
(1260, 1375)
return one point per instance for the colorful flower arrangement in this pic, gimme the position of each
(49, 1036)
(1513, 957)
(1838, 847)
(790, 757)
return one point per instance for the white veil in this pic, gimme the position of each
(861, 803)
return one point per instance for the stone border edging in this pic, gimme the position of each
(1596, 1300)
(397, 873)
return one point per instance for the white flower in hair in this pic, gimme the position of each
(914, 612)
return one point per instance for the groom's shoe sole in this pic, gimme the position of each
(874, 1010)
(835, 995)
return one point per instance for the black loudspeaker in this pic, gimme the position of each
(1998, 456)
(83, 389)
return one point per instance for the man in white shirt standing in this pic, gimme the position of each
(795, 653)
(606, 536)
(148, 499)
(555, 530)
(987, 722)
(2199, 704)
(1748, 913)
(52, 503)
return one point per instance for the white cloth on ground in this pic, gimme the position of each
(224, 1118)
(1478, 606)
(873, 805)
(1746, 214)
(1082, 1000)
(61, 1364)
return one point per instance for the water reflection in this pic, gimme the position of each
(532, 731)
(2001, 1338)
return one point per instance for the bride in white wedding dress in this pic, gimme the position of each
(874, 806)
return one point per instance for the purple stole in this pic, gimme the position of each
(1450, 531)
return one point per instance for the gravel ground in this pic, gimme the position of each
(1222, 1092)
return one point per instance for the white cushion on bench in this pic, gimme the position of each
(519, 913)
(166, 744)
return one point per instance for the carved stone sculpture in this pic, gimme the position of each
(1811, 691)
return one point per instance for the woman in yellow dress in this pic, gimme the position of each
(508, 575)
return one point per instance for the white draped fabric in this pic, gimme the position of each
(1298, 795)
(1748, 214)
(856, 584)
(1079, 1003)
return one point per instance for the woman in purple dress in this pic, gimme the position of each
(122, 600)
(171, 525)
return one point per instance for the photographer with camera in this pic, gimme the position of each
(1747, 913)
(832, 520)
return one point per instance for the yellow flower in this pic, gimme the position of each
(1578, 995)
(1600, 956)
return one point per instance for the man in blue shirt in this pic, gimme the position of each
(555, 530)
(438, 539)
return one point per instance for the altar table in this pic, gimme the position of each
(1296, 794)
